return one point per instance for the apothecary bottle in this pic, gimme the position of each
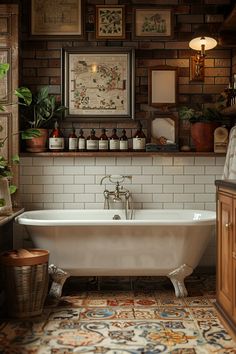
(124, 141)
(81, 141)
(103, 141)
(139, 139)
(56, 139)
(92, 141)
(114, 141)
(73, 141)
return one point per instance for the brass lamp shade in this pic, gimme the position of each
(202, 43)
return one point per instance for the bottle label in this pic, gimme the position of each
(92, 144)
(81, 144)
(103, 144)
(123, 144)
(114, 144)
(139, 143)
(72, 143)
(56, 143)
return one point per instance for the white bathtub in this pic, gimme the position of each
(154, 242)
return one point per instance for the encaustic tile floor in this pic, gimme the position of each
(123, 319)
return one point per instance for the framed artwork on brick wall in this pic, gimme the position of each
(110, 21)
(152, 23)
(162, 86)
(57, 18)
(98, 83)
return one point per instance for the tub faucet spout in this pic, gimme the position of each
(118, 193)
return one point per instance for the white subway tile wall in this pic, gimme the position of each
(181, 181)
(157, 182)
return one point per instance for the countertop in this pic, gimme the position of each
(6, 218)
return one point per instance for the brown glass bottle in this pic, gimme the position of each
(114, 141)
(81, 141)
(103, 141)
(73, 141)
(139, 139)
(56, 139)
(124, 141)
(92, 141)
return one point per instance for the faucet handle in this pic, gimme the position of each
(115, 178)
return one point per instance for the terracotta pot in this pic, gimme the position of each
(38, 144)
(202, 134)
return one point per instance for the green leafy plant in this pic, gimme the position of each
(200, 115)
(42, 108)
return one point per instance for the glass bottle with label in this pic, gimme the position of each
(114, 141)
(92, 141)
(56, 139)
(73, 141)
(103, 141)
(124, 141)
(139, 139)
(81, 141)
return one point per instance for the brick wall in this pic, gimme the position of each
(41, 59)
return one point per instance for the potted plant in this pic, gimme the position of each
(203, 123)
(37, 114)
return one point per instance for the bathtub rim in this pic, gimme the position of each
(24, 219)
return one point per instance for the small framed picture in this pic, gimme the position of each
(110, 22)
(162, 86)
(57, 18)
(152, 23)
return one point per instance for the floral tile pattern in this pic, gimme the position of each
(147, 319)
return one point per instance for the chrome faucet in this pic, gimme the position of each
(118, 193)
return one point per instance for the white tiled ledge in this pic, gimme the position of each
(118, 153)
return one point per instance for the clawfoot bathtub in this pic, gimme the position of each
(104, 243)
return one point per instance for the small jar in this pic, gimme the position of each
(92, 141)
(114, 142)
(103, 141)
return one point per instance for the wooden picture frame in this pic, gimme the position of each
(150, 23)
(67, 20)
(162, 86)
(98, 83)
(110, 22)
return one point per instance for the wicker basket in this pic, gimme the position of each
(25, 282)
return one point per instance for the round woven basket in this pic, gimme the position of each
(25, 281)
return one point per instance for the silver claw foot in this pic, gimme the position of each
(177, 277)
(58, 277)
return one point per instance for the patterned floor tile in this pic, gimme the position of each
(146, 320)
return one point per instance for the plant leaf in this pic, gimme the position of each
(4, 67)
(30, 133)
(12, 188)
(15, 159)
(25, 94)
(2, 202)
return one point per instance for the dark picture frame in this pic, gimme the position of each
(98, 83)
(152, 23)
(68, 20)
(110, 22)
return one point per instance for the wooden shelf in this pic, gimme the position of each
(118, 154)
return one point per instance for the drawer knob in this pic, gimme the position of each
(234, 255)
(228, 225)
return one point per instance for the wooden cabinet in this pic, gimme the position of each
(226, 252)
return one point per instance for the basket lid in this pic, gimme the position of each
(24, 257)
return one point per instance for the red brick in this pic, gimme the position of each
(151, 62)
(54, 63)
(55, 80)
(217, 72)
(49, 72)
(213, 89)
(196, 88)
(48, 54)
(34, 63)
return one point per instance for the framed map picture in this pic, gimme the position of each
(98, 83)
(110, 22)
(56, 17)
